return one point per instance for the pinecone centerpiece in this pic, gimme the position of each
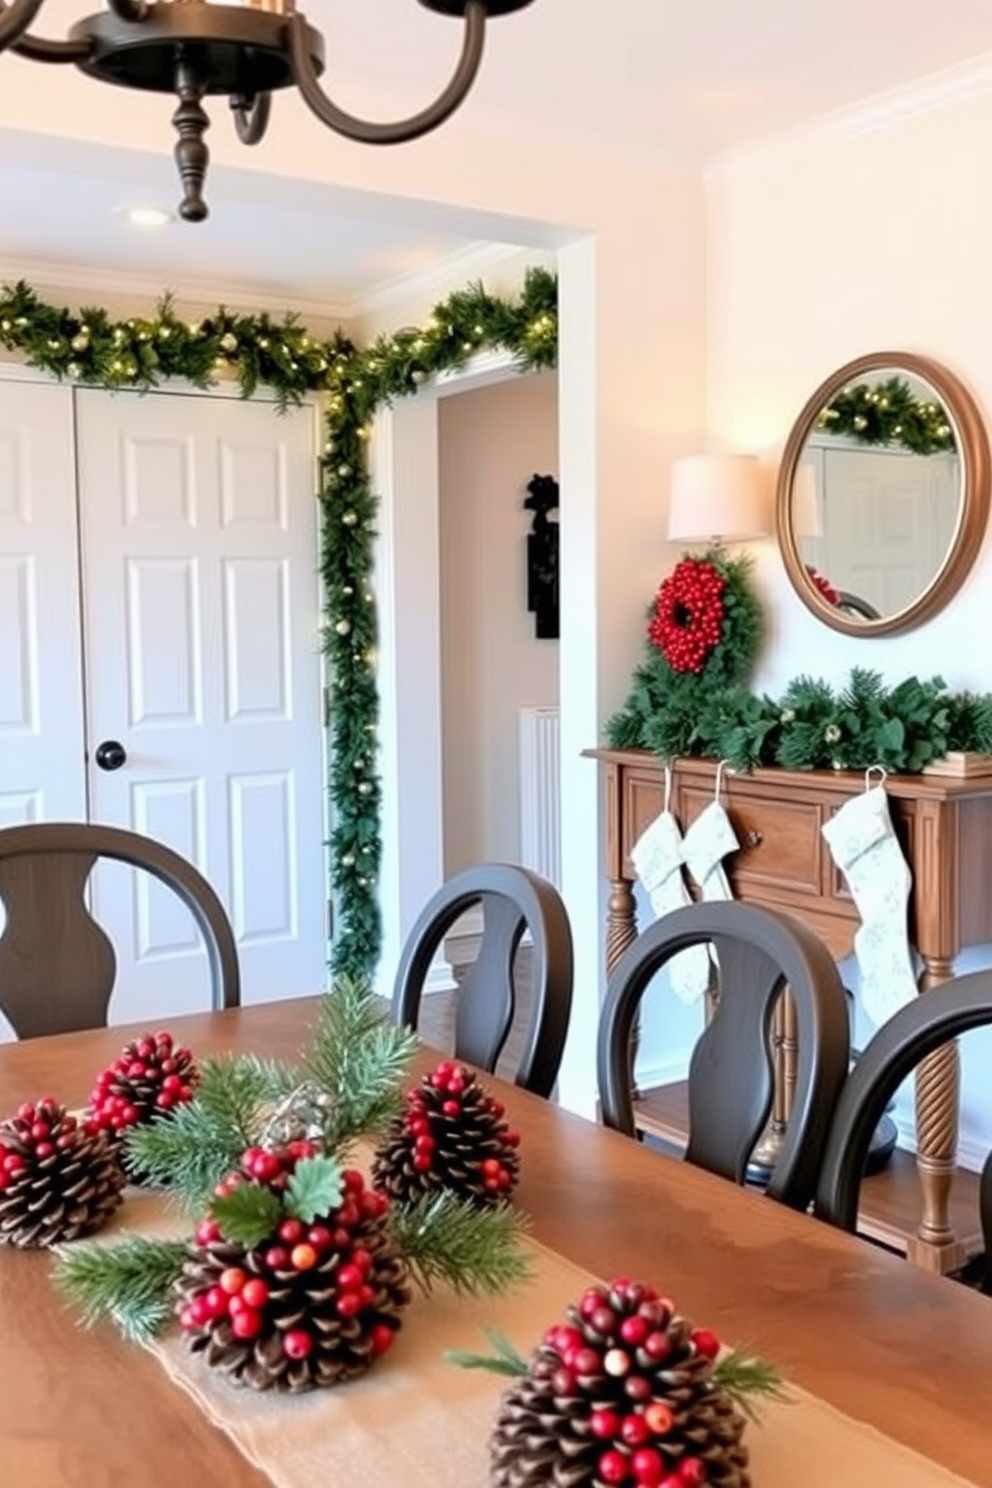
(626, 1392)
(150, 1075)
(58, 1180)
(295, 1280)
(452, 1136)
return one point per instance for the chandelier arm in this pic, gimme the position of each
(39, 49)
(367, 132)
(251, 116)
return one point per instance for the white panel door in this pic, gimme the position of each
(42, 769)
(201, 617)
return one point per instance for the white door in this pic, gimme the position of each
(202, 661)
(42, 773)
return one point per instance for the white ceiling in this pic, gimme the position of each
(661, 77)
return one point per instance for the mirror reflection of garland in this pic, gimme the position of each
(89, 347)
(889, 413)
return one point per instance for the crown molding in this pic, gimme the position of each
(469, 263)
(873, 115)
(86, 280)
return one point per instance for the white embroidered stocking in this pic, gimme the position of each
(657, 857)
(866, 849)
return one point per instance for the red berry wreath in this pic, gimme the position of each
(688, 620)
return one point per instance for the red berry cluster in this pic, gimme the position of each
(242, 1296)
(625, 1337)
(823, 584)
(36, 1133)
(452, 1081)
(151, 1074)
(687, 624)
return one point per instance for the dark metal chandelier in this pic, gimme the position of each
(246, 51)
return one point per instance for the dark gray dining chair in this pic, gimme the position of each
(731, 1072)
(57, 965)
(513, 900)
(902, 1042)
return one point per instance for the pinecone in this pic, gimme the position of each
(57, 1180)
(452, 1136)
(621, 1393)
(149, 1076)
(313, 1305)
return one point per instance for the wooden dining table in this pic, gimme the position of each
(907, 1352)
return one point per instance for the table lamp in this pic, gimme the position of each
(717, 498)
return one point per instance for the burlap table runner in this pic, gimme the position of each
(418, 1421)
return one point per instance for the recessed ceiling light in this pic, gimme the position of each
(148, 216)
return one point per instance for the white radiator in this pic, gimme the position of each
(540, 808)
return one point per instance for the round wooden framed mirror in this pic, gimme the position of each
(883, 494)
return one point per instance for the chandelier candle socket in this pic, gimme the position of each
(626, 1391)
(244, 52)
(452, 1136)
(58, 1179)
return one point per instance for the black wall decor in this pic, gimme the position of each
(542, 556)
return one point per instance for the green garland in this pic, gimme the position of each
(814, 726)
(889, 413)
(89, 347)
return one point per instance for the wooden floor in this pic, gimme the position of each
(890, 1201)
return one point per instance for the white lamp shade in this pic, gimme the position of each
(806, 519)
(717, 496)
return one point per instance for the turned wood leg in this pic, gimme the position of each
(935, 1246)
(621, 920)
(621, 931)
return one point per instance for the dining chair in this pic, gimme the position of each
(57, 965)
(894, 1051)
(731, 1072)
(513, 900)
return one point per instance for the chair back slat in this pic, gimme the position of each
(513, 900)
(57, 965)
(731, 1074)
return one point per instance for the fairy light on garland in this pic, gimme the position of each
(889, 413)
(90, 348)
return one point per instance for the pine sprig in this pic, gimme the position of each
(470, 1250)
(748, 1381)
(360, 1059)
(504, 1358)
(192, 1148)
(128, 1282)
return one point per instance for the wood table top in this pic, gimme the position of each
(908, 1352)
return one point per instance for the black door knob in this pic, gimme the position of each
(110, 755)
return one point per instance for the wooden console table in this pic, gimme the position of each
(945, 828)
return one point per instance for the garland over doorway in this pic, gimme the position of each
(89, 347)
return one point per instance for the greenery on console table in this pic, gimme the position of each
(813, 726)
(90, 347)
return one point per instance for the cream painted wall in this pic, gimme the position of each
(491, 442)
(819, 251)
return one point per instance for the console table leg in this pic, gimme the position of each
(935, 1246)
(621, 920)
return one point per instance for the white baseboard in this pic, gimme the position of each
(668, 1071)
